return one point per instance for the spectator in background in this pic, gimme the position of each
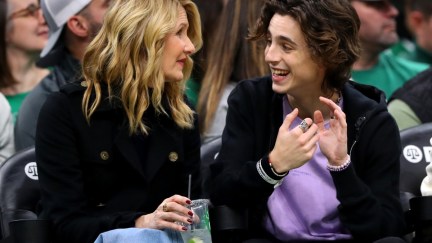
(116, 148)
(210, 13)
(411, 105)
(6, 130)
(72, 24)
(231, 58)
(418, 18)
(302, 149)
(376, 65)
(23, 34)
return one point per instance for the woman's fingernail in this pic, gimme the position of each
(190, 213)
(188, 201)
(184, 228)
(190, 221)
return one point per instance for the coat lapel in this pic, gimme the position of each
(160, 144)
(124, 144)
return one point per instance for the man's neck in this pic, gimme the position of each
(369, 56)
(77, 50)
(366, 61)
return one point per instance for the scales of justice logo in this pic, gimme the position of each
(414, 154)
(31, 170)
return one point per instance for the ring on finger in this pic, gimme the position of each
(165, 207)
(304, 126)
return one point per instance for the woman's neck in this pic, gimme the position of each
(24, 70)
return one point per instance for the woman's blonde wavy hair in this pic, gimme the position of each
(127, 56)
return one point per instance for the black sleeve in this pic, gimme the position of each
(368, 189)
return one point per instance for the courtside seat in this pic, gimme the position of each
(19, 196)
(416, 155)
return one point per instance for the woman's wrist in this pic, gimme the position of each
(140, 222)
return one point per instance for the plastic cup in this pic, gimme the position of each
(199, 231)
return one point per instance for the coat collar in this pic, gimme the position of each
(163, 129)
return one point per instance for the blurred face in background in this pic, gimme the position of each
(421, 26)
(378, 24)
(426, 34)
(26, 29)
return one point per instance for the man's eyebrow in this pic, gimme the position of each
(286, 39)
(283, 38)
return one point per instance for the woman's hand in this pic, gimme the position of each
(333, 141)
(293, 148)
(168, 214)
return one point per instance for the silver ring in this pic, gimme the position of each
(304, 126)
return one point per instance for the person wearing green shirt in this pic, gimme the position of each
(23, 34)
(376, 65)
(389, 73)
(15, 102)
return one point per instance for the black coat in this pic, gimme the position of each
(368, 189)
(96, 177)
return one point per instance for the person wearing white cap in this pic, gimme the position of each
(72, 25)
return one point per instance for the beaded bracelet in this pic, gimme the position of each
(339, 167)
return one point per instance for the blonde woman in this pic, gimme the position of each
(115, 150)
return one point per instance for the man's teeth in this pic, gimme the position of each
(280, 73)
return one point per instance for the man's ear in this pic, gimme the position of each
(78, 25)
(415, 19)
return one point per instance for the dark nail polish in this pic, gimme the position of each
(190, 213)
(188, 201)
(184, 228)
(190, 221)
